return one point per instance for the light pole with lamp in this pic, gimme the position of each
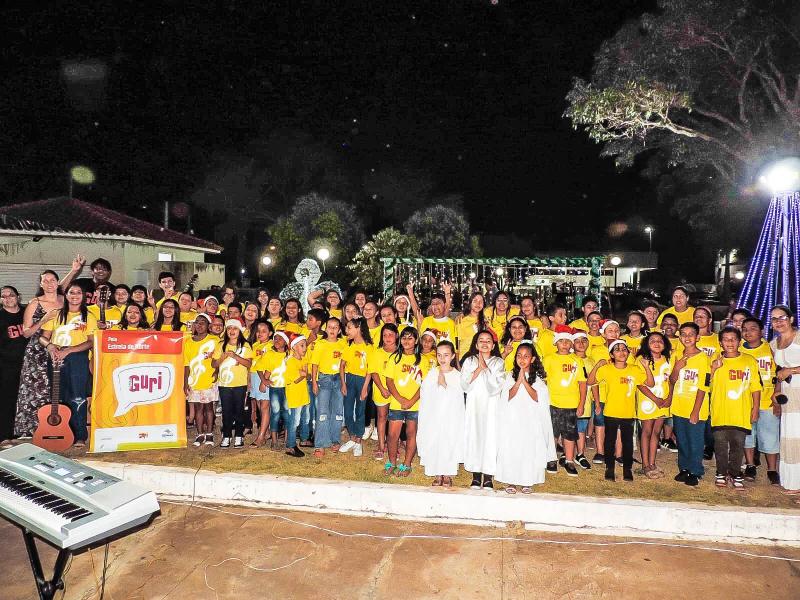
(323, 254)
(615, 261)
(649, 231)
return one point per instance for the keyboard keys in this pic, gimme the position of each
(35, 495)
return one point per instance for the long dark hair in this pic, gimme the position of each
(123, 322)
(535, 370)
(341, 327)
(62, 312)
(389, 327)
(398, 355)
(361, 323)
(481, 317)
(647, 354)
(240, 341)
(473, 347)
(301, 318)
(253, 338)
(176, 319)
(494, 303)
(507, 332)
(449, 344)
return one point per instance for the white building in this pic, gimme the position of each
(47, 234)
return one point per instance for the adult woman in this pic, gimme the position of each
(12, 351)
(680, 306)
(482, 379)
(67, 338)
(708, 341)
(293, 320)
(500, 312)
(470, 322)
(262, 301)
(168, 319)
(34, 387)
(786, 347)
(331, 300)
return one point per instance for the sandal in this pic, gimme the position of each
(377, 455)
(319, 453)
(403, 470)
(447, 482)
(437, 481)
(526, 490)
(388, 469)
(511, 489)
(335, 447)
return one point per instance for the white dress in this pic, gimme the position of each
(525, 441)
(440, 429)
(789, 466)
(480, 422)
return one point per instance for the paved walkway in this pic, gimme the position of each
(177, 557)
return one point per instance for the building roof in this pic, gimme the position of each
(69, 216)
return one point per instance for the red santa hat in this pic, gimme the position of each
(562, 332)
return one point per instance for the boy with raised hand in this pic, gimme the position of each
(765, 435)
(439, 321)
(689, 385)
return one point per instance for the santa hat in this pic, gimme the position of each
(562, 332)
(430, 333)
(209, 299)
(579, 333)
(616, 343)
(204, 316)
(281, 334)
(296, 340)
(605, 323)
(234, 323)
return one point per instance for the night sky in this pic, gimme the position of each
(470, 90)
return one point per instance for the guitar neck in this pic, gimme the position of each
(55, 387)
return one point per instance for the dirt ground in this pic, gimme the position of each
(189, 552)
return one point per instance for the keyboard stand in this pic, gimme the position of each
(47, 588)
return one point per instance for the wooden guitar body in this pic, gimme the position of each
(53, 432)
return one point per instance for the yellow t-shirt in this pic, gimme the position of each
(259, 350)
(588, 407)
(710, 345)
(296, 391)
(231, 373)
(295, 328)
(676, 346)
(378, 360)
(274, 363)
(508, 361)
(150, 315)
(580, 324)
(407, 378)
(536, 326)
(498, 322)
(767, 370)
(621, 399)
(355, 357)
(188, 317)
(686, 316)
(443, 329)
(732, 387)
(430, 358)
(197, 357)
(73, 332)
(113, 313)
(328, 355)
(375, 334)
(335, 312)
(696, 375)
(174, 296)
(545, 345)
(645, 407)
(466, 328)
(564, 375)
(633, 343)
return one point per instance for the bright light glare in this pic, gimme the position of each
(82, 175)
(616, 261)
(323, 254)
(648, 229)
(739, 275)
(782, 176)
(499, 271)
(472, 275)
(266, 260)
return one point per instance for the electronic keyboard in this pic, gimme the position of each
(66, 503)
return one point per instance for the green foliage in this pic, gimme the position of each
(442, 231)
(367, 267)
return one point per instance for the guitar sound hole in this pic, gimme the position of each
(54, 420)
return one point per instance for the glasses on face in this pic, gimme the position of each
(779, 319)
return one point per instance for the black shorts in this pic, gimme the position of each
(565, 423)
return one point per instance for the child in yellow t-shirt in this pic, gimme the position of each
(652, 403)
(296, 392)
(328, 385)
(580, 345)
(262, 343)
(357, 385)
(271, 369)
(199, 351)
(234, 367)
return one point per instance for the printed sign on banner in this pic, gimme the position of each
(138, 401)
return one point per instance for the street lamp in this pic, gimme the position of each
(323, 254)
(615, 262)
(649, 231)
(266, 260)
(80, 174)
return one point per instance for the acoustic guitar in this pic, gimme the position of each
(53, 432)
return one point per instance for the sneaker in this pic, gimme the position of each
(672, 446)
(198, 440)
(708, 454)
(663, 445)
(487, 482)
(552, 467)
(583, 462)
(619, 460)
(609, 476)
(627, 474)
(720, 481)
(368, 432)
(358, 450)
(374, 435)
(599, 459)
(562, 460)
(738, 483)
(347, 446)
(476, 482)
(226, 443)
(682, 476)
(569, 467)
(238, 442)
(773, 477)
(209, 439)
(750, 472)
(692, 480)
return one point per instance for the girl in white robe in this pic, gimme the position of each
(440, 430)
(482, 375)
(525, 432)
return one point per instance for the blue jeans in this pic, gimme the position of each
(691, 441)
(278, 410)
(77, 421)
(330, 411)
(292, 421)
(307, 414)
(354, 407)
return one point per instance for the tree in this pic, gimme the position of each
(704, 93)
(367, 267)
(442, 231)
(317, 221)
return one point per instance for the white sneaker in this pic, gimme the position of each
(368, 432)
(238, 442)
(226, 443)
(347, 446)
(374, 435)
(358, 450)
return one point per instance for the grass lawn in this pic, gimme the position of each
(366, 468)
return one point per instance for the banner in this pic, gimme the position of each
(138, 401)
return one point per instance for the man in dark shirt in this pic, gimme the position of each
(101, 274)
(12, 351)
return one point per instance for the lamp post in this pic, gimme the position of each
(649, 231)
(80, 174)
(615, 261)
(323, 254)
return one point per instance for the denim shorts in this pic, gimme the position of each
(403, 415)
(583, 424)
(766, 433)
(599, 420)
(255, 393)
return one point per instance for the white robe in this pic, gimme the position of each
(440, 430)
(480, 427)
(525, 434)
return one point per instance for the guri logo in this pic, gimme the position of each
(142, 383)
